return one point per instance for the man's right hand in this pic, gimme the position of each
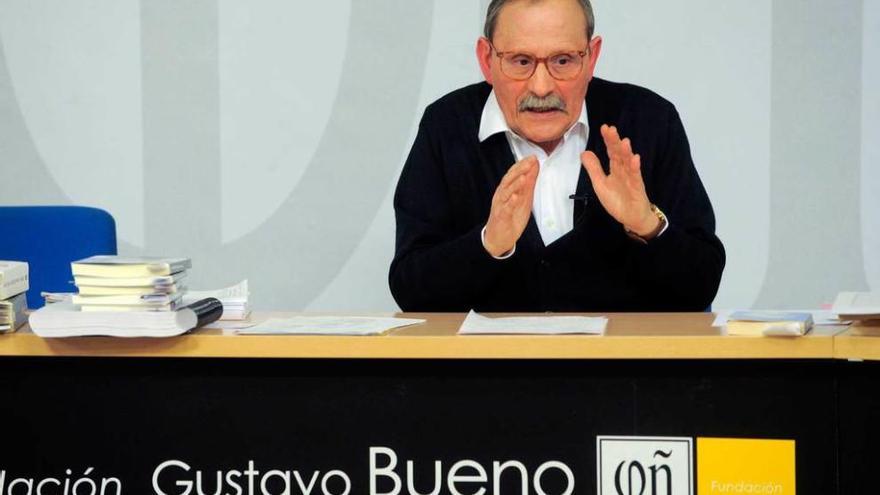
(511, 207)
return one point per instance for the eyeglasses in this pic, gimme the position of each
(562, 66)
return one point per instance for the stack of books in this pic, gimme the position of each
(64, 319)
(13, 300)
(117, 283)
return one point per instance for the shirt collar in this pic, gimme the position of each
(492, 121)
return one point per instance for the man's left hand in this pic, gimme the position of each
(622, 191)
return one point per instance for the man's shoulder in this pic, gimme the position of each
(614, 97)
(470, 97)
(460, 108)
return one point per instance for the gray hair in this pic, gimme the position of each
(495, 7)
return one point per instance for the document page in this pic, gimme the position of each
(235, 293)
(328, 325)
(476, 324)
(234, 298)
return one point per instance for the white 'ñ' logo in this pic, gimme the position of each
(629, 465)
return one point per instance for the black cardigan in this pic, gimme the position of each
(444, 195)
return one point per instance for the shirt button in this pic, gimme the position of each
(550, 224)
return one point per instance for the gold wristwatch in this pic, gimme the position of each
(660, 227)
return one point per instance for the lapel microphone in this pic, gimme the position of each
(580, 206)
(581, 198)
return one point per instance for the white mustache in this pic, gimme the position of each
(534, 102)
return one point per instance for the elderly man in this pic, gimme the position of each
(520, 193)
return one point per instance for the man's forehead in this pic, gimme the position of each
(541, 24)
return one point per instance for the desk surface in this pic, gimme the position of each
(858, 342)
(628, 336)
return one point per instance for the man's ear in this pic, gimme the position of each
(595, 50)
(484, 57)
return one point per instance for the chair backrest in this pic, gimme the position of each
(49, 238)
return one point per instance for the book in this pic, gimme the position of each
(128, 267)
(64, 319)
(769, 323)
(99, 290)
(857, 306)
(154, 281)
(13, 313)
(127, 299)
(13, 278)
(119, 308)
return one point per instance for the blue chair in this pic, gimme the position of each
(49, 238)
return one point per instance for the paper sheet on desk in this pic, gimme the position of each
(328, 325)
(475, 324)
(231, 324)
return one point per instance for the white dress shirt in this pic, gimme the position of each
(558, 172)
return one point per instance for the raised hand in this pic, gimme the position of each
(511, 206)
(622, 191)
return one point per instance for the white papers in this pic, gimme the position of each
(328, 325)
(56, 297)
(858, 305)
(475, 324)
(234, 299)
(64, 319)
(230, 324)
(237, 292)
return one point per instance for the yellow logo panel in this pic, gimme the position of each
(734, 466)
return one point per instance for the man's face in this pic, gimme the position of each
(539, 29)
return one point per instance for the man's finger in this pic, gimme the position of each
(527, 180)
(510, 176)
(635, 163)
(511, 206)
(527, 191)
(626, 148)
(520, 184)
(503, 192)
(620, 152)
(531, 177)
(520, 206)
(612, 141)
(593, 167)
(611, 136)
(506, 194)
(624, 156)
(614, 147)
(519, 168)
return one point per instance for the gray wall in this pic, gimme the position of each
(264, 142)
